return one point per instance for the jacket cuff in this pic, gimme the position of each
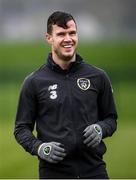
(35, 147)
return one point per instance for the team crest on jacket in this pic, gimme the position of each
(83, 83)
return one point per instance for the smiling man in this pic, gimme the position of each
(71, 103)
(63, 40)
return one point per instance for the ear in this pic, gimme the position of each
(48, 38)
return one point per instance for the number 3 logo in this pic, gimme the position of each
(52, 90)
(53, 94)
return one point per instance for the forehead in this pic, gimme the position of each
(70, 26)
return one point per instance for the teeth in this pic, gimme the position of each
(67, 46)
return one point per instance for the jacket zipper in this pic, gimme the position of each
(73, 124)
(70, 102)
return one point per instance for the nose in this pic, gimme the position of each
(67, 37)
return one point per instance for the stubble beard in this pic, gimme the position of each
(63, 57)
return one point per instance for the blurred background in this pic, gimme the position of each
(107, 34)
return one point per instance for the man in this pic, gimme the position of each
(71, 104)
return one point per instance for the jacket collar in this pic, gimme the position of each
(72, 68)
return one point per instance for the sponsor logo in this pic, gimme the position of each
(83, 83)
(52, 89)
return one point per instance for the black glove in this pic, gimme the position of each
(92, 135)
(52, 152)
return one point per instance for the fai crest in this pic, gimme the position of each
(83, 83)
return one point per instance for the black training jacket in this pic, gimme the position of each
(62, 103)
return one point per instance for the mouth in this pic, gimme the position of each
(67, 46)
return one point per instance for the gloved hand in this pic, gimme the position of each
(92, 135)
(52, 152)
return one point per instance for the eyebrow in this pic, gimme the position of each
(70, 32)
(73, 31)
(60, 33)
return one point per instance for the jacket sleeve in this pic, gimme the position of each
(106, 107)
(25, 118)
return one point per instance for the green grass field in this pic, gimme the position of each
(16, 61)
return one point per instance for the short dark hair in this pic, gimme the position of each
(60, 19)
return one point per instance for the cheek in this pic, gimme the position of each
(56, 42)
(55, 46)
(76, 39)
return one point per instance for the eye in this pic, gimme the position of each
(72, 33)
(61, 34)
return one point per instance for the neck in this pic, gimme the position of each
(64, 64)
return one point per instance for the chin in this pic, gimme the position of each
(68, 57)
